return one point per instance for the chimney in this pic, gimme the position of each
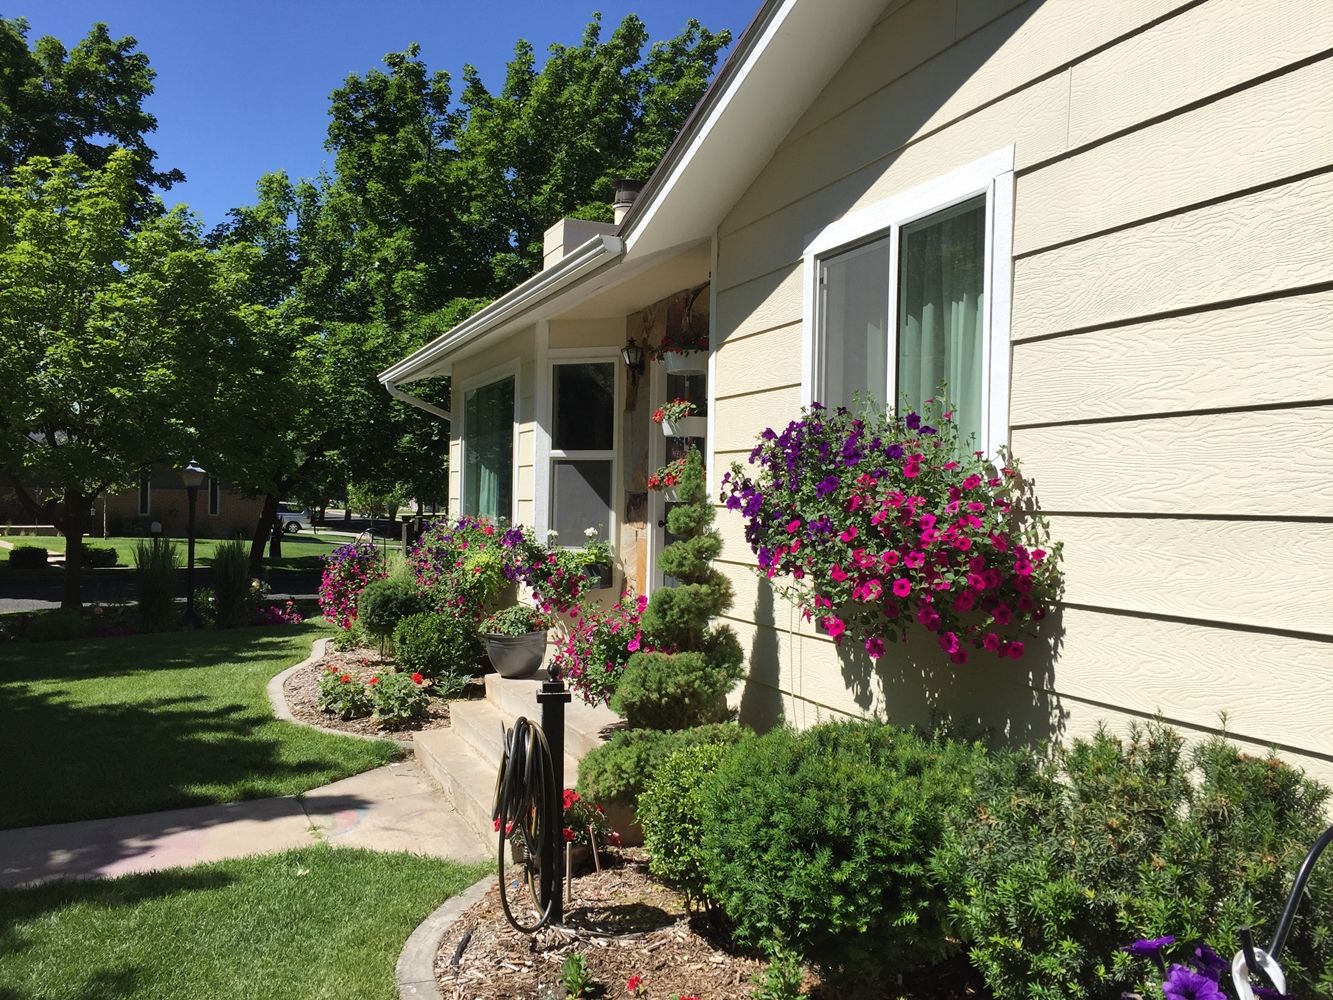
(626, 192)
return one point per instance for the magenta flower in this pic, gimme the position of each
(849, 533)
(914, 560)
(793, 526)
(834, 626)
(875, 647)
(949, 642)
(901, 587)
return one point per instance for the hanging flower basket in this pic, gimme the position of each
(687, 362)
(685, 427)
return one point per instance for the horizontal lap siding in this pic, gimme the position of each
(1172, 386)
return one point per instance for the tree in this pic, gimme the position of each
(87, 101)
(104, 326)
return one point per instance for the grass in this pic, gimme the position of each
(112, 727)
(303, 925)
(299, 552)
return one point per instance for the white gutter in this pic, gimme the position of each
(417, 401)
(596, 253)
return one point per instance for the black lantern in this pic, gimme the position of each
(632, 354)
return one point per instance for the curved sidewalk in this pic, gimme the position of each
(391, 808)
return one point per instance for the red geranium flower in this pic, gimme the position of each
(417, 678)
(374, 681)
(635, 981)
(346, 679)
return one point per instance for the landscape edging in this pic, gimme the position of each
(415, 971)
(277, 699)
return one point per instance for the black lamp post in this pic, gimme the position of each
(193, 477)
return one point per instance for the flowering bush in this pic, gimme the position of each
(277, 614)
(343, 695)
(1199, 975)
(668, 476)
(884, 520)
(596, 647)
(347, 570)
(516, 620)
(585, 820)
(399, 698)
(674, 411)
(462, 565)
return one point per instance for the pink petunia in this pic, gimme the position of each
(949, 642)
(793, 526)
(902, 587)
(1015, 650)
(834, 626)
(914, 560)
(875, 647)
(990, 641)
(849, 533)
(838, 573)
(889, 558)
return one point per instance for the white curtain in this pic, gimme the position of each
(941, 309)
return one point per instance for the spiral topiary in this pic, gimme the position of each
(683, 681)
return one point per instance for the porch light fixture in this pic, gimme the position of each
(632, 354)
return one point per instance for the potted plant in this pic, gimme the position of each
(516, 640)
(684, 344)
(597, 559)
(677, 419)
(667, 477)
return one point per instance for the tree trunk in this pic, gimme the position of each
(73, 519)
(266, 518)
(347, 511)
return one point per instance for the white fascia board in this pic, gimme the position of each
(573, 267)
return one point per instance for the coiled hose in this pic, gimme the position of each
(524, 797)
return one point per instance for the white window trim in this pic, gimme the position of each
(991, 175)
(144, 499)
(547, 455)
(509, 369)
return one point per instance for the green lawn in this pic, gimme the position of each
(299, 552)
(111, 727)
(308, 924)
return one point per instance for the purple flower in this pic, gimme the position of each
(1183, 983)
(913, 421)
(894, 452)
(1265, 993)
(1149, 947)
(926, 431)
(1209, 962)
(827, 485)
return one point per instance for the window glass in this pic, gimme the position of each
(214, 496)
(856, 323)
(584, 407)
(145, 490)
(581, 494)
(488, 449)
(941, 311)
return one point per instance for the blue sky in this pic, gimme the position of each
(242, 86)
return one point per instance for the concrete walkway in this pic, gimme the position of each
(388, 809)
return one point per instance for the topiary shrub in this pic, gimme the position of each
(618, 770)
(99, 556)
(670, 813)
(27, 557)
(682, 677)
(1063, 860)
(442, 645)
(817, 843)
(384, 603)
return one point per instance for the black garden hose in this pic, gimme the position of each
(524, 799)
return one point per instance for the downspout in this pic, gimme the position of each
(416, 401)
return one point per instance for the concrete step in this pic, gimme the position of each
(482, 727)
(466, 779)
(586, 726)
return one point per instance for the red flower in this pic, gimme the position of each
(417, 678)
(634, 983)
(346, 679)
(569, 835)
(374, 681)
(571, 797)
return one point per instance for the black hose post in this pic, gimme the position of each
(553, 698)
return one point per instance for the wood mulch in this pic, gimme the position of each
(626, 924)
(301, 690)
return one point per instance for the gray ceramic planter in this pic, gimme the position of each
(516, 656)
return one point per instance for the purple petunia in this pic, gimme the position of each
(1183, 983)
(1149, 947)
(829, 484)
(1209, 962)
(913, 420)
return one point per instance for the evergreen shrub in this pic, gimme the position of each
(618, 770)
(442, 645)
(1065, 859)
(817, 843)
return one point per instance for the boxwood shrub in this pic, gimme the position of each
(384, 603)
(818, 843)
(443, 645)
(27, 557)
(670, 812)
(618, 770)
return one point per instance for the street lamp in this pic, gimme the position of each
(192, 476)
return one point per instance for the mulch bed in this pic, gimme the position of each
(626, 924)
(301, 690)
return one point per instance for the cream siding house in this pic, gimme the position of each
(1145, 188)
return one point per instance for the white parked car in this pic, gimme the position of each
(293, 517)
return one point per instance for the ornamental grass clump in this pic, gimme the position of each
(156, 577)
(683, 679)
(871, 523)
